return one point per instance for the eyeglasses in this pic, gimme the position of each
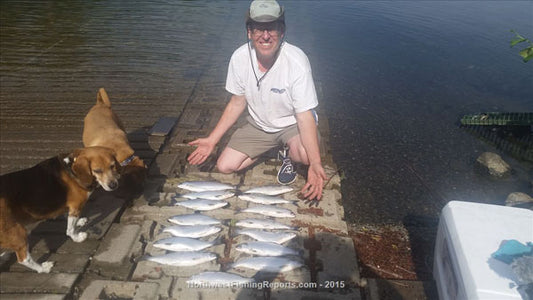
(272, 31)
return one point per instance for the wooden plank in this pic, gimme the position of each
(163, 126)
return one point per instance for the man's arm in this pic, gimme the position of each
(316, 174)
(205, 146)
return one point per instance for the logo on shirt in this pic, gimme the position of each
(278, 91)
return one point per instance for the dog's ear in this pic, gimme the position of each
(81, 168)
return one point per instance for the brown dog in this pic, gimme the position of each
(102, 127)
(49, 189)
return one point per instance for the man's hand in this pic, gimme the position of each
(315, 182)
(204, 148)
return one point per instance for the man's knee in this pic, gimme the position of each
(224, 167)
(301, 160)
(299, 155)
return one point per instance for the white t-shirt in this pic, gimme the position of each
(286, 89)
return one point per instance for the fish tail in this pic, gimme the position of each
(144, 257)
(219, 240)
(230, 266)
(174, 200)
(235, 232)
(227, 222)
(161, 229)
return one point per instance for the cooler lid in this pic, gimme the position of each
(476, 231)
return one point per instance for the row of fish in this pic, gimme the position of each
(206, 186)
(266, 209)
(186, 245)
(252, 197)
(208, 195)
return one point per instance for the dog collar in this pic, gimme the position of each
(127, 161)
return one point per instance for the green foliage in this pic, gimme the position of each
(526, 53)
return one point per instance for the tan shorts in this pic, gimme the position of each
(253, 141)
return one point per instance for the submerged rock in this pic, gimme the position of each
(494, 164)
(518, 199)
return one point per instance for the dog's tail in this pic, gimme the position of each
(102, 98)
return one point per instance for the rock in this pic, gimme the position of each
(494, 164)
(518, 198)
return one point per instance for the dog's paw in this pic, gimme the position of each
(46, 267)
(79, 237)
(81, 222)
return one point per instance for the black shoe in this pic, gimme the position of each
(286, 174)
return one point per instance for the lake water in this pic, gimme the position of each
(394, 79)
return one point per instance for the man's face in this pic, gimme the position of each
(265, 38)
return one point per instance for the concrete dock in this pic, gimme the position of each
(109, 265)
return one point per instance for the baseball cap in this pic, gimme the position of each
(265, 11)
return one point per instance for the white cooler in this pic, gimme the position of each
(468, 234)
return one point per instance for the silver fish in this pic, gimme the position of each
(266, 249)
(264, 199)
(219, 278)
(271, 190)
(202, 186)
(182, 259)
(202, 204)
(194, 219)
(269, 210)
(272, 264)
(195, 231)
(267, 236)
(262, 224)
(209, 195)
(183, 244)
